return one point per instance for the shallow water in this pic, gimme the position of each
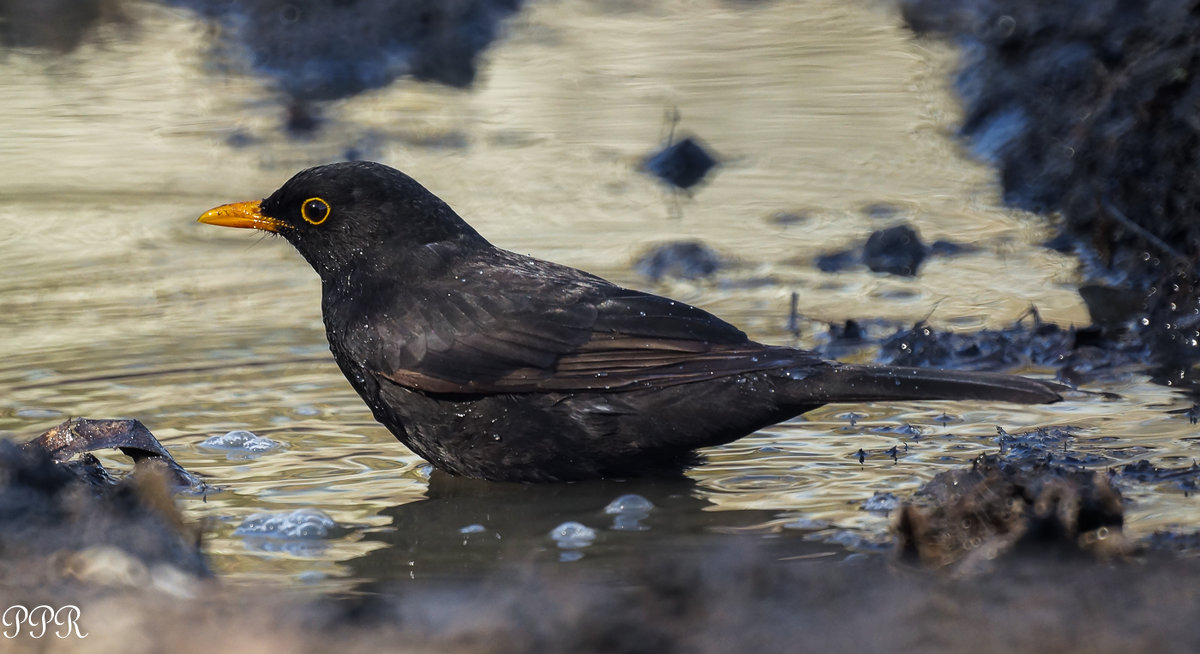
(116, 303)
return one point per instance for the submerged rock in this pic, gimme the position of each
(682, 164)
(679, 260)
(898, 250)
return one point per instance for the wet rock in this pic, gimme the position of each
(897, 250)
(1186, 478)
(79, 435)
(679, 260)
(682, 164)
(1080, 355)
(1044, 445)
(923, 346)
(969, 518)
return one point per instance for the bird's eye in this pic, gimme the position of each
(314, 210)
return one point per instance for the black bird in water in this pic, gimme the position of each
(499, 366)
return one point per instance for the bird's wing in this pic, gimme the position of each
(539, 333)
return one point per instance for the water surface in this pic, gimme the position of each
(117, 304)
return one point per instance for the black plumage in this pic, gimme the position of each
(496, 365)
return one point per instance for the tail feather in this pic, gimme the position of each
(863, 383)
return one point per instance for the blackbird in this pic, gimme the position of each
(500, 366)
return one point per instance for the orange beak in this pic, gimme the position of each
(245, 215)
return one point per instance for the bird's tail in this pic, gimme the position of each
(842, 382)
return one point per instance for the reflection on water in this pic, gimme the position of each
(115, 303)
(468, 528)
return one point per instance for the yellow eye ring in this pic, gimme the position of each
(314, 210)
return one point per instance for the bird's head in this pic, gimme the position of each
(348, 213)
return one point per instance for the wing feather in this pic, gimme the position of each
(537, 327)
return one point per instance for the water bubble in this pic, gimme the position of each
(299, 533)
(301, 524)
(628, 511)
(572, 535)
(240, 444)
(631, 503)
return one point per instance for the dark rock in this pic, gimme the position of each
(679, 260)
(897, 250)
(1044, 445)
(1080, 355)
(682, 164)
(1186, 478)
(79, 435)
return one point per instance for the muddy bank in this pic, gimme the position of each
(1037, 572)
(1088, 111)
(724, 601)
